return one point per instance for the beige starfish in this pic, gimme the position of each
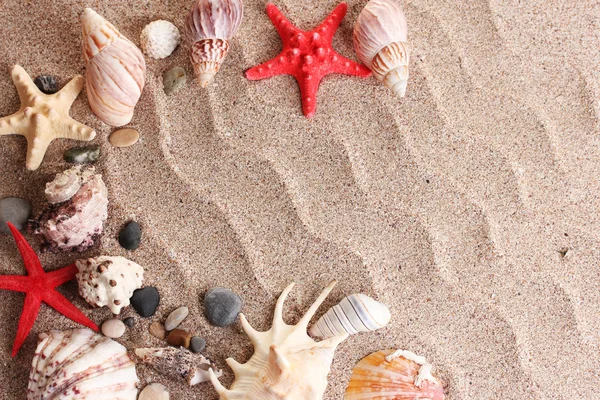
(42, 117)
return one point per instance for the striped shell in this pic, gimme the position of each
(116, 70)
(80, 364)
(393, 375)
(355, 313)
(208, 27)
(380, 43)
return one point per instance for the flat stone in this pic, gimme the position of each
(130, 236)
(179, 337)
(173, 80)
(197, 344)
(154, 391)
(81, 155)
(222, 306)
(176, 317)
(124, 137)
(113, 328)
(47, 84)
(129, 321)
(158, 330)
(145, 301)
(14, 210)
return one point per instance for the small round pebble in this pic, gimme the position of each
(222, 306)
(197, 344)
(173, 80)
(158, 330)
(129, 321)
(14, 210)
(113, 328)
(131, 236)
(179, 338)
(145, 301)
(80, 155)
(47, 84)
(154, 391)
(124, 137)
(176, 317)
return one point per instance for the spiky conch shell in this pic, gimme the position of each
(116, 70)
(286, 364)
(80, 364)
(209, 26)
(389, 375)
(380, 36)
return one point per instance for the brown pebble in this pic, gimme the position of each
(178, 337)
(157, 330)
(124, 137)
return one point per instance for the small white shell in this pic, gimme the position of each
(380, 36)
(355, 313)
(64, 186)
(159, 39)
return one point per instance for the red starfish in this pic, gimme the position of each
(39, 287)
(308, 56)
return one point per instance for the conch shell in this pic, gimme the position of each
(80, 364)
(355, 313)
(208, 27)
(380, 43)
(389, 374)
(286, 364)
(116, 70)
(108, 281)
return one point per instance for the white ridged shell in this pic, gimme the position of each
(116, 70)
(159, 39)
(64, 186)
(355, 313)
(380, 35)
(286, 364)
(80, 364)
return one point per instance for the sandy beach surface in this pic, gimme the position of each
(470, 207)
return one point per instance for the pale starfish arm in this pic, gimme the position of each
(38, 140)
(68, 128)
(69, 93)
(333, 21)
(12, 124)
(25, 86)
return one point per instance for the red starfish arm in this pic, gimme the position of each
(66, 308)
(308, 91)
(268, 69)
(30, 259)
(60, 276)
(283, 25)
(346, 66)
(31, 307)
(15, 283)
(328, 27)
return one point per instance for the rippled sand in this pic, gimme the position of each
(470, 207)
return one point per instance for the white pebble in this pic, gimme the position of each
(154, 391)
(113, 328)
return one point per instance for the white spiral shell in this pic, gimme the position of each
(355, 313)
(65, 185)
(380, 35)
(116, 70)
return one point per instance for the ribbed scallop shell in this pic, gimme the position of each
(80, 364)
(208, 27)
(393, 375)
(116, 70)
(355, 313)
(380, 42)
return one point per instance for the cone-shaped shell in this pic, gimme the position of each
(389, 375)
(208, 27)
(380, 35)
(80, 364)
(116, 70)
(355, 313)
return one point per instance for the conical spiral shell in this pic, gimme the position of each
(355, 313)
(389, 375)
(208, 27)
(116, 70)
(80, 364)
(380, 42)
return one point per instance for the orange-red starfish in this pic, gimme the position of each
(308, 56)
(39, 287)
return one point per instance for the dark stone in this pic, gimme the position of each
(14, 210)
(145, 301)
(130, 236)
(222, 306)
(47, 84)
(197, 344)
(81, 155)
(129, 321)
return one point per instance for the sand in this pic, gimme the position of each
(470, 207)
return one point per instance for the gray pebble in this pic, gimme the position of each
(222, 306)
(129, 321)
(80, 155)
(14, 210)
(197, 344)
(144, 301)
(47, 84)
(130, 236)
(173, 80)
(176, 317)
